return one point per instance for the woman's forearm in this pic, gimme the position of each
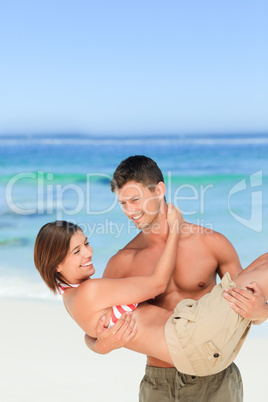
(166, 263)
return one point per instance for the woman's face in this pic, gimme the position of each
(77, 265)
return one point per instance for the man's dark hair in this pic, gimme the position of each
(138, 168)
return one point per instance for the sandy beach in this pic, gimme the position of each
(44, 359)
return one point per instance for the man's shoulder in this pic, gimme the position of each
(202, 233)
(120, 262)
(125, 253)
(206, 238)
(215, 243)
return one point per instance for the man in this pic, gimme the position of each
(202, 254)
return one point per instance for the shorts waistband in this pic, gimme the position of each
(163, 372)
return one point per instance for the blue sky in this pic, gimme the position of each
(126, 67)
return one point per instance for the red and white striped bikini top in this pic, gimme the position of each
(62, 287)
(117, 311)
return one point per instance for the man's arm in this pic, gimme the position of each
(251, 306)
(225, 254)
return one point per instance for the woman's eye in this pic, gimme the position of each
(87, 243)
(76, 252)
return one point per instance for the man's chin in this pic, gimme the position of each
(139, 225)
(142, 225)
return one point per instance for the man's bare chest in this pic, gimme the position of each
(195, 269)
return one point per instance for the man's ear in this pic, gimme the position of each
(161, 190)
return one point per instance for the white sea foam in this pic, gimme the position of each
(19, 288)
(138, 140)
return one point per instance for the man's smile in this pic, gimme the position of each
(137, 217)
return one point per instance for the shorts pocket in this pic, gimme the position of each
(211, 353)
(184, 317)
(186, 309)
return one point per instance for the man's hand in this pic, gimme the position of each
(115, 337)
(251, 306)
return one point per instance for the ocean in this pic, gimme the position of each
(219, 181)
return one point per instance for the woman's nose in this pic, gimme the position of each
(87, 251)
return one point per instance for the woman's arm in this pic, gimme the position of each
(109, 292)
(166, 263)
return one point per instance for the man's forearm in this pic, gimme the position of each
(91, 343)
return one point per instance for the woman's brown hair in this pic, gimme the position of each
(51, 247)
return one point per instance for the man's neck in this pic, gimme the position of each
(159, 230)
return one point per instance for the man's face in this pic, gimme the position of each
(139, 203)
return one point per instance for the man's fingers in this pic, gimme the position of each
(124, 326)
(100, 326)
(238, 306)
(238, 310)
(130, 330)
(121, 321)
(242, 300)
(239, 294)
(132, 333)
(250, 305)
(233, 301)
(119, 334)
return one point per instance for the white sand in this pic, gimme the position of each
(44, 358)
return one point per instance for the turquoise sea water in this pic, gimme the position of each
(219, 182)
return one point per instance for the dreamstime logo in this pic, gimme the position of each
(255, 220)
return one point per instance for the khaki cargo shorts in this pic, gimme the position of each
(205, 336)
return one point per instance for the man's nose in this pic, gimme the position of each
(130, 208)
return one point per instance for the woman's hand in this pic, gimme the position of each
(174, 218)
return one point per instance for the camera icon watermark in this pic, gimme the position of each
(254, 222)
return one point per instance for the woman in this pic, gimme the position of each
(200, 338)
